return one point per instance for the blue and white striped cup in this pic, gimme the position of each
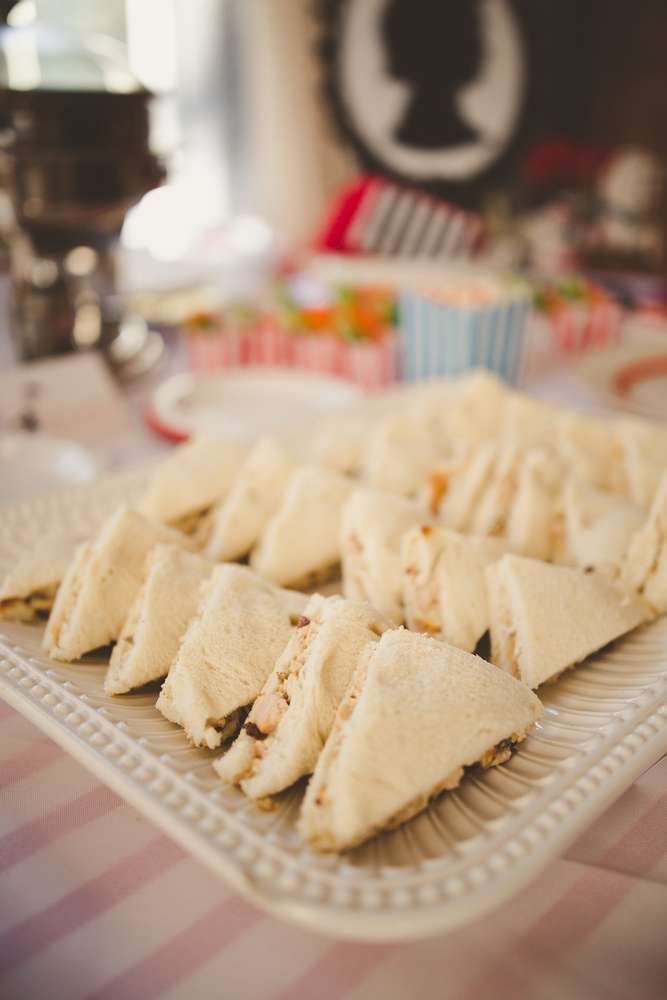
(440, 338)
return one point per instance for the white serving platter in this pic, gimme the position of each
(471, 851)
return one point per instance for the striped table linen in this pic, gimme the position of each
(95, 902)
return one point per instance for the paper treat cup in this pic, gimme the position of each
(370, 365)
(580, 327)
(605, 324)
(320, 352)
(270, 344)
(437, 338)
(213, 350)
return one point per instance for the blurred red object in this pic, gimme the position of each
(213, 346)
(374, 215)
(561, 162)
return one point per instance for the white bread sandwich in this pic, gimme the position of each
(599, 527)
(545, 619)
(241, 627)
(32, 570)
(534, 524)
(643, 447)
(492, 510)
(372, 527)
(463, 412)
(474, 409)
(239, 520)
(165, 603)
(416, 714)
(300, 545)
(28, 590)
(402, 448)
(455, 488)
(590, 449)
(645, 568)
(528, 422)
(339, 441)
(102, 582)
(193, 478)
(444, 590)
(290, 721)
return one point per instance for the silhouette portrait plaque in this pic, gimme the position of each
(428, 91)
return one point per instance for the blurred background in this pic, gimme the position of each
(367, 190)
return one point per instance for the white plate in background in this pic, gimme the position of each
(632, 375)
(245, 403)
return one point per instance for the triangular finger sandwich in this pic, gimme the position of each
(645, 567)
(193, 478)
(339, 442)
(444, 590)
(599, 526)
(238, 521)
(494, 505)
(288, 725)
(528, 422)
(29, 589)
(474, 409)
(300, 545)
(373, 525)
(241, 626)
(102, 582)
(547, 618)
(455, 488)
(402, 448)
(159, 615)
(590, 449)
(534, 524)
(643, 447)
(416, 714)
(34, 569)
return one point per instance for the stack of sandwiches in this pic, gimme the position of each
(464, 511)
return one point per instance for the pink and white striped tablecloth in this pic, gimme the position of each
(95, 902)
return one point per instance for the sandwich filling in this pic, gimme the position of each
(33, 607)
(504, 645)
(268, 710)
(422, 587)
